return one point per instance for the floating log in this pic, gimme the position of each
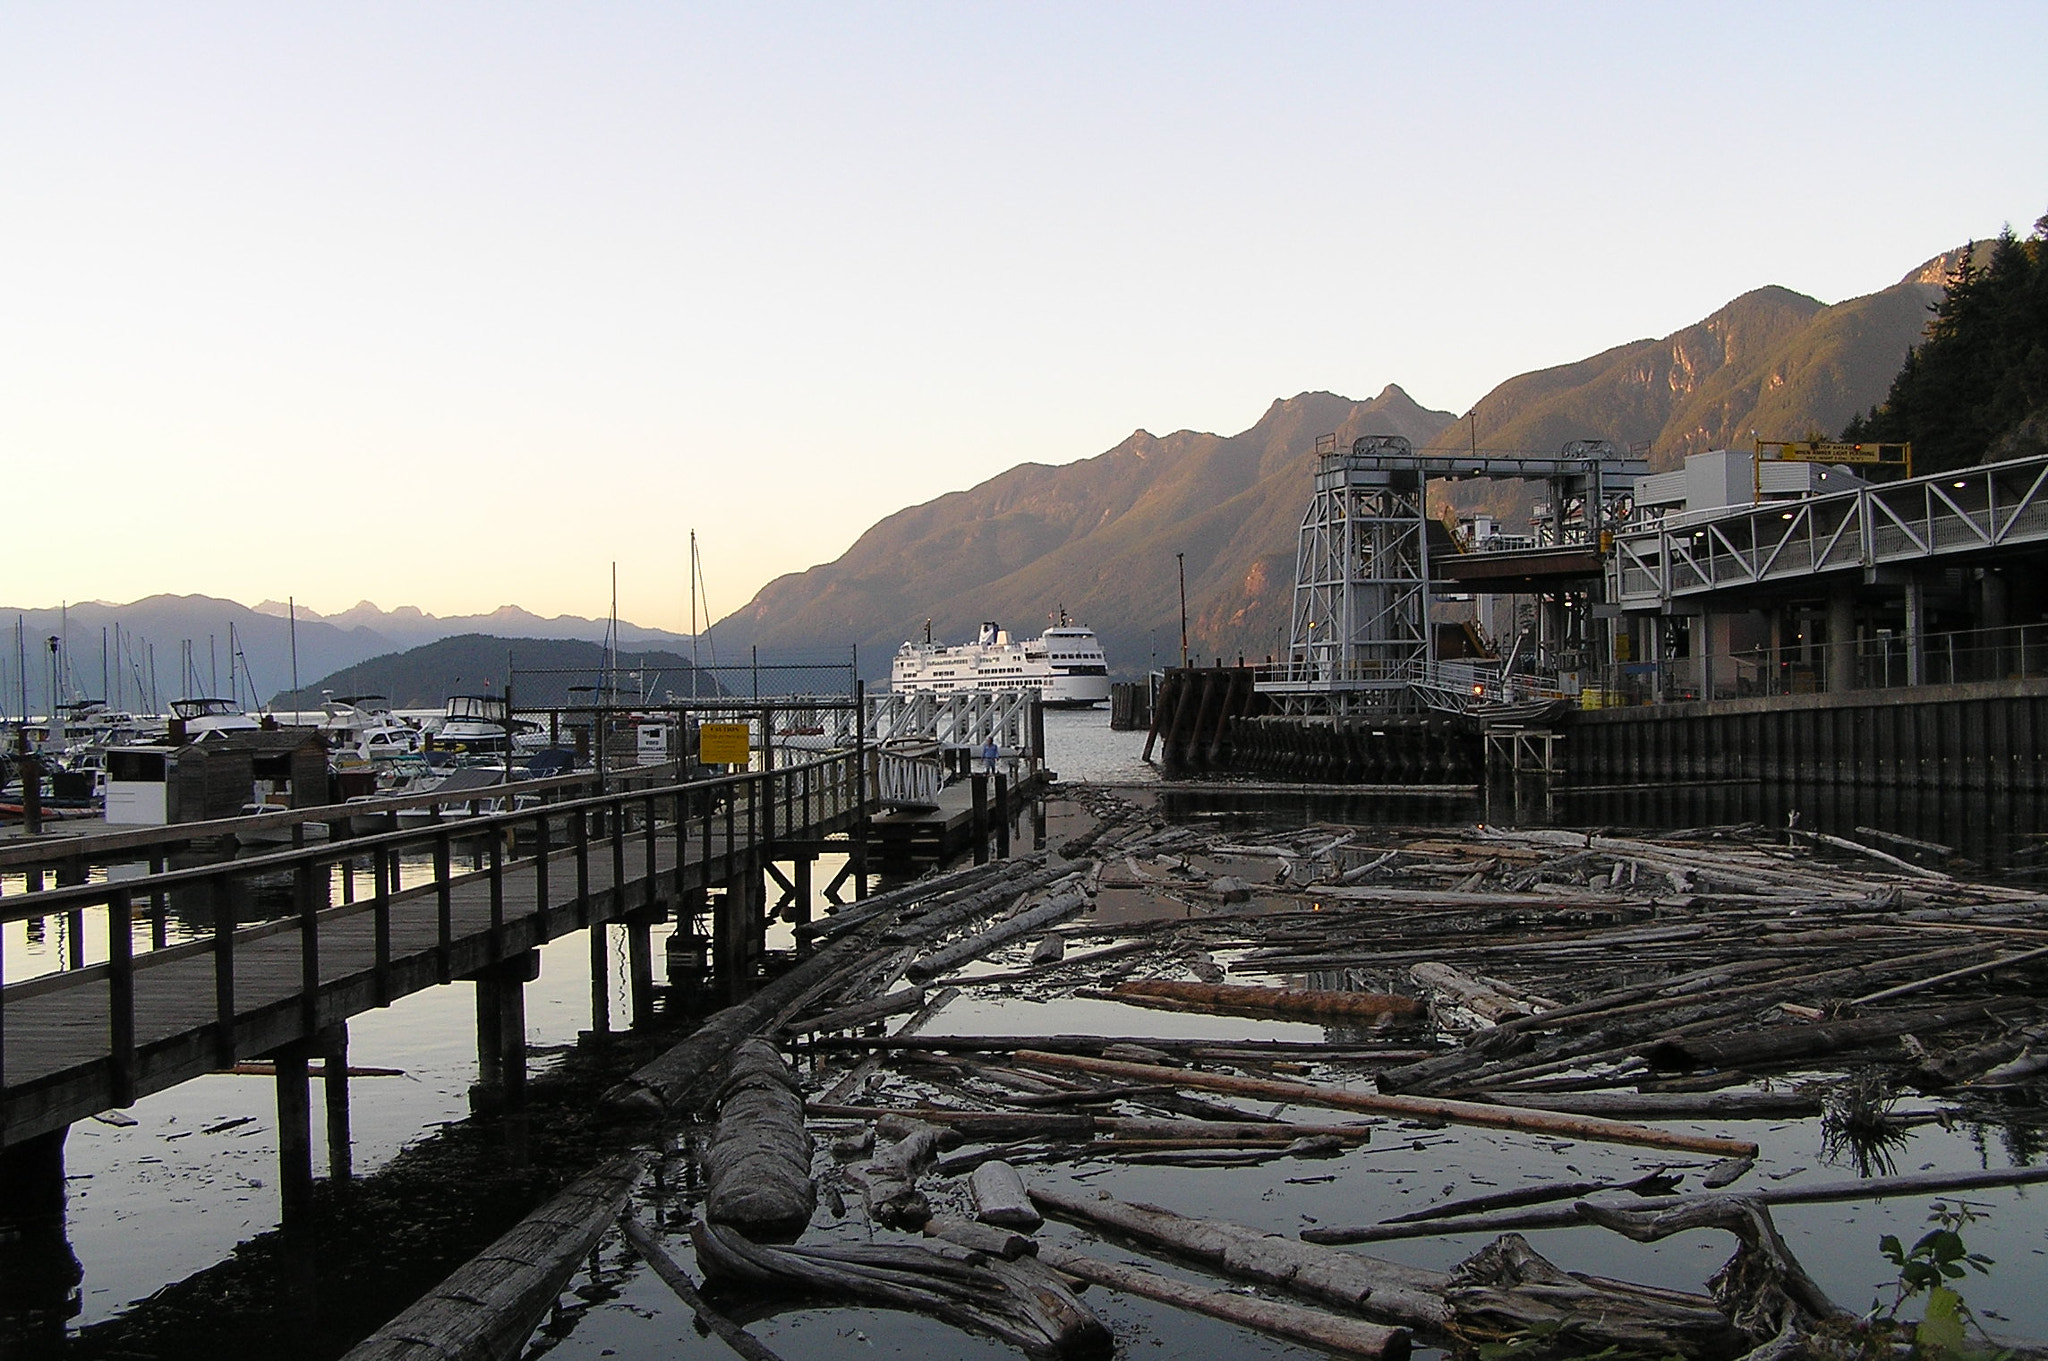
(1457, 1112)
(999, 1197)
(973, 1234)
(1783, 1044)
(678, 1280)
(988, 1124)
(1064, 903)
(1968, 971)
(759, 1164)
(1467, 991)
(1873, 1188)
(1509, 1289)
(931, 886)
(860, 1013)
(888, 1181)
(1017, 1301)
(1038, 971)
(1665, 1105)
(1350, 1280)
(1132, 1127)
(1017, 879)
(1348, 1337)
(660, 1087)
(488, 1307)
(1280, 1001)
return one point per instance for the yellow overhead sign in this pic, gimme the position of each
(1837, 451)
(724, 744)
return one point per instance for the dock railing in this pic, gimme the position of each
(121, 929)
(1883, 662)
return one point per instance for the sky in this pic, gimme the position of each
(459, 305)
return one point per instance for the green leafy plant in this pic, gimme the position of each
(1939, 1257)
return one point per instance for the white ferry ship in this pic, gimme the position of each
(1065, 665)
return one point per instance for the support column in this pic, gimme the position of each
(640, 968)
(800, 893)
(294, 1133)
(1916, 630)
(978, 827)
(1703, 645)
(333, 1044)
(600, 979)
(39, 1273)
(1841, 640)
(32, 1179)
(501, 1034)
(1002, 812)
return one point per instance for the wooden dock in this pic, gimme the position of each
(84, 1040)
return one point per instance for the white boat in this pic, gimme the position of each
(363, 727)
(1064, 665)
(200, 718)
(480, 724)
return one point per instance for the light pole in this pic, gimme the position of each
(1181, 562)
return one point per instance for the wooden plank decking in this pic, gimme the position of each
(60, 1030)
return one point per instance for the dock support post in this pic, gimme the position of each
(640, 968)
(1002, 817)
(333, 1043)
(978, 782)
(294, 1133)
(800, 894)
(600, 980)
(501, 1034)
(32, 1178)
(1841, 640)
(39, 1273)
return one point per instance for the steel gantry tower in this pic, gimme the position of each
(1361, 574)
(1362, 637)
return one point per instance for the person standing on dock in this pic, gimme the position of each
(989, 753)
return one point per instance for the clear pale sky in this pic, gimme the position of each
(454, 305)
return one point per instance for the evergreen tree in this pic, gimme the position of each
(1981, 373)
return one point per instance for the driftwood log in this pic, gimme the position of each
(672, 1274)
(1457, 1112)
(759, 1164)
(1066, 900)
(887, 1182)
(486, 1309)
(1349, 1280)
(1316, 1327)
(1230, 997)
(1000, 1198)
(1016, 1300)
(1819, 1193)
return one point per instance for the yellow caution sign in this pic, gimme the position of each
(724, 744)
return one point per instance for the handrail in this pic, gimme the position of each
(43, 902)
(85, 845)
(766, 792)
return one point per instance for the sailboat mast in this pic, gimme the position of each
(693, 614)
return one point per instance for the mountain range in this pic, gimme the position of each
(155, 631)
(1106, 537)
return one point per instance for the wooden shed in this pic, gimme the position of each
(215, 777)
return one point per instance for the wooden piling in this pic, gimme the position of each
(978, 782)
(294, 1133)
(334, 1089)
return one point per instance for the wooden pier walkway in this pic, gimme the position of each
(84, 1040)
